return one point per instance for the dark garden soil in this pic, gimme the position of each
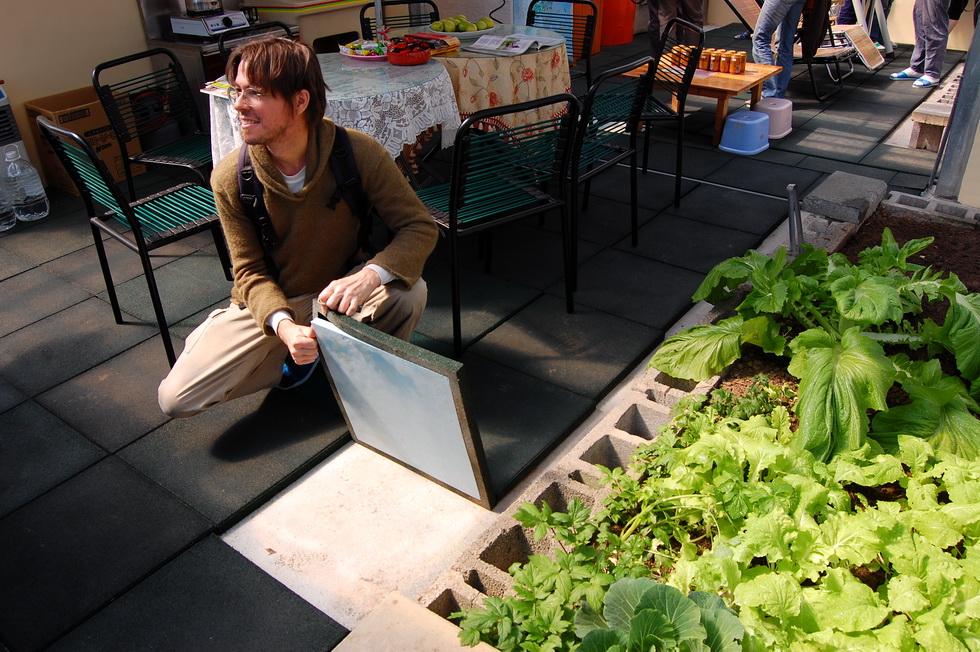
(955, 249)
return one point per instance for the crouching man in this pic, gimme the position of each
(263, 339)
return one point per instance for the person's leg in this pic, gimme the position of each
(226, 357)
(770, 17)
(784, 54)
(847, 15)
(653, 26)
(393, 310)
(668, 11)
(693, 12)
(935, 32)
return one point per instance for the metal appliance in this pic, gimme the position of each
(210, 25)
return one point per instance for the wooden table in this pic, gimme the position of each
(724, 86)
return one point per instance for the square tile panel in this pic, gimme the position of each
(71, 551)
(209, 593)
(763, 177)
(744, 211)
(39, 452)
(668, 239)
(34, 295)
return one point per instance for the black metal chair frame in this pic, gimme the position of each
(675, 80)
(504, 174)
(397, 21)
(147, 224)
(156, 110)
(606, 136)
(577, 28)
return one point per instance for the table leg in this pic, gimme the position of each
(755, 95)
(721, 112)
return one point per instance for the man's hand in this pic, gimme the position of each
(300, 340)
(349, 293)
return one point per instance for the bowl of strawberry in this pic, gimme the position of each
(408, 52)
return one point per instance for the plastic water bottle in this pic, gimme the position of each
(7, 217)
(23, 186)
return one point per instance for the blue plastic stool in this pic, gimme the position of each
(746, 132)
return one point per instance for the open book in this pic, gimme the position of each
(512, 44)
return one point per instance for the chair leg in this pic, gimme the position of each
(569, 235)
(646, 146)
(127, 168)
(634, 210)
(454, 290)
(110, 288)
(151, 285)
(679, 162)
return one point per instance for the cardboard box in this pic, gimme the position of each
(80, 111)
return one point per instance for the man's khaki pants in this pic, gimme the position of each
(229, 356)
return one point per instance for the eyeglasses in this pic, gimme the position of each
(249, 95)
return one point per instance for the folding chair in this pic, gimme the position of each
(156, 110)
(671, 83)
(817, 44)
(606, 136)
(501, 174)
(141, 226)
(576, 22)
(416, 15)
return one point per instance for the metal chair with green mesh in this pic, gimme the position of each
(501, 174)
(606, 137)
(141, 226)
(576, 20)
(153, 114)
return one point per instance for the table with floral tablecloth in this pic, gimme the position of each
(484, 81)
(398, 105)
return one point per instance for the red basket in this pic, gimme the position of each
(409, 58)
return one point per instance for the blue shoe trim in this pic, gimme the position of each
(294, 375)
(922, 82)
(900, 75)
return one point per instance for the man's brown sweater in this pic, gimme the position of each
(316, 244)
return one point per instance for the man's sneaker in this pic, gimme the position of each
(294, 375)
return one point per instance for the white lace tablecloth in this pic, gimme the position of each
(394, 104)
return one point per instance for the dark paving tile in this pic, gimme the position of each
(67, 343)
(585, 352)
(82, 267)
(486, 301)
(763, 176)
(9, 395)
(186, 286)
(860, 117)
(39, 452)
(520, 419)
(690, 244)
(744, 211)
(837, 144)
(698, 163)
(11, 264)
(909, 181)
(210, 596)
(75, 548)
(828, 166)
(605, 221)
(779, 157)
(49, 238)
(34, 295)
(901, 159)
(636, 288)
(114, 403)
(227, 459)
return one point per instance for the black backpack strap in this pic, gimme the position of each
(349, 187)
(253, 203)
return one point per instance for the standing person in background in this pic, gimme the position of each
(782, 15)
(663, 11)
(930, 18)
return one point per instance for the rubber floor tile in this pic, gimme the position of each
(11, 264)
(9, 395)
(34, 295)
(67, 343)
(586, 352)
(49, 238)
(669, 239)
(763, 177)
(209, 597)
(826, 142)
(636, 288)
(734, 209)
(114, 403)
(72, 550)
(901, 159)
(39, 451)
(224, 460)
(519, 418)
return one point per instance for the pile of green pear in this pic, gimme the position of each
(461, 24)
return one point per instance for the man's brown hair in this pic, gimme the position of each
(282, 67)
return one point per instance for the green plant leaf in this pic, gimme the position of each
(864, 299)
(839, 382)
(604, 640)
(729, 274)
(962, 328)
(587, 619)
(683, 614)
(700, 352)
(622, 599)
(723, 629)
(652, 630)
(842, 602)
(776, 594)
